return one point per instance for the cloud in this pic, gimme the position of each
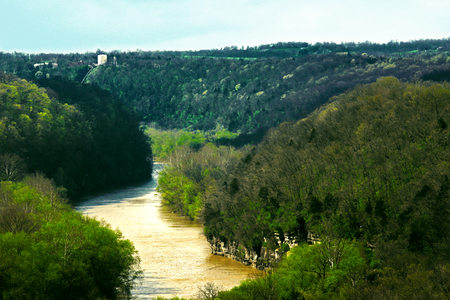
(80, 25)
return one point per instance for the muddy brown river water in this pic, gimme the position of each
(175, 256)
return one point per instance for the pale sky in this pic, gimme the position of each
(63, 26)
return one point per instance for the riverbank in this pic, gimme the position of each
(175, 256)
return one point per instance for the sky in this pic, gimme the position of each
(69, 26)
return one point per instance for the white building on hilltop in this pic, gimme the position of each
(102, 59)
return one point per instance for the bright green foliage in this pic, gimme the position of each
(224, 134)
(261, 288)
(339, 269)
(322, 271)
(48, 251)
(180, 192)
(164, 143)
(192, 177)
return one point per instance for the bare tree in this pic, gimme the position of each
(209, 291)
(47, 188)
(12, 167)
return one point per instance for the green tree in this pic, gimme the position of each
(49, 251)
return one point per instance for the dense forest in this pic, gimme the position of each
(59, 138)
(240, 90)
(245, 96)
(84, 140)
(344, 146)
(367, 175)
(76, 134)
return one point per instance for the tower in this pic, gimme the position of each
(102, 59)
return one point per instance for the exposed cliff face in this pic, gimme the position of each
(265, 259)
(244, 255)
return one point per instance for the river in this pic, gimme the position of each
(175, 256)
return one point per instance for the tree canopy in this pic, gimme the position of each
(49, 251)
(77, 134)
(370, 169)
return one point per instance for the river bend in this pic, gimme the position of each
(175, 256)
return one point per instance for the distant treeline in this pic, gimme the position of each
(204, 90)
(76, 134)
(245, 96)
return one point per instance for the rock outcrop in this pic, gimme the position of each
(265, 259)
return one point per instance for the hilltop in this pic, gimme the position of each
(240, 90)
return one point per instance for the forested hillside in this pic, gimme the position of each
(76, 134)
(84, 140)
(49, 251)
(366, 174)
(246, 95)
(356, 157)
(241, 90)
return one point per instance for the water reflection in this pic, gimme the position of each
(175, 255)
